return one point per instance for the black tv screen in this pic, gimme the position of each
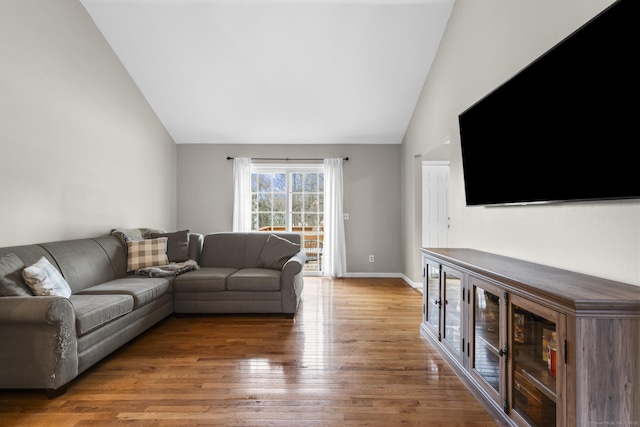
(565, 128)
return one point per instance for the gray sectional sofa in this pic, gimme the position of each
(244, 273)
(47, 341)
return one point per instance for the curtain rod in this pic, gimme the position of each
(287, 159)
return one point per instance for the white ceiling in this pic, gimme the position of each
(277, 71)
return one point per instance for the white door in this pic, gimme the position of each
(435, 204)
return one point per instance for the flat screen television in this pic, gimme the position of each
(566, 127)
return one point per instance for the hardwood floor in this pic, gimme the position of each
(353, 356)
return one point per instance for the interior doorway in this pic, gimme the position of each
(435, 204)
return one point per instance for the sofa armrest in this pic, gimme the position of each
(39, 342)
(295, 264)
(292, 282)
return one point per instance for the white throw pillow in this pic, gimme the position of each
(45, 280)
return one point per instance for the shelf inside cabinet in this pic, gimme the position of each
(539, 384)
(535, 368)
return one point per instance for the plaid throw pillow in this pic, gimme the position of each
(147, 253)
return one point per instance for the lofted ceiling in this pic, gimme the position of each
(277, 71)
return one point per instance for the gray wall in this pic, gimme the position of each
(371, 195)
(486, 43)
(81, 151)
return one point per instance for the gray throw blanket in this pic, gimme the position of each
(172, 269)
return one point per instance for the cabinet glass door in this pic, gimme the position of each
(488, 356)
(431, 294)
(452, 309)
(537, 362)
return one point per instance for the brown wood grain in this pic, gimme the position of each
(565, 291)
(352, 356)
(598, 325)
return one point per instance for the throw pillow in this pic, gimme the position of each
(11, 283)
(276, 252)
(147, 253)
(177, 245)
(45, 280)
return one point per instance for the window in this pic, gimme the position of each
(268, 200)
(290, 198)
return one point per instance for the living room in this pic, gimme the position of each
(82, 149)
(83, 152)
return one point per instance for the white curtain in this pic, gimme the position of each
(242, 194)
(335, 252)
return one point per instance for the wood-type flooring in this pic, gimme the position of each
(352, 356)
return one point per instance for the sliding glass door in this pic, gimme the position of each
(291, 198)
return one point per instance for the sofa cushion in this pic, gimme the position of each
(225, 250)
(11, 282)
(177, 245)
(146, 253)
(254, 279)
(276, 252)
(45, 280)
(93, 311)
(28, 254)
(116, 253)
(212, 279)
(82, 262)
(142, 289)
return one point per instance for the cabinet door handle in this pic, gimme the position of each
(504, 352)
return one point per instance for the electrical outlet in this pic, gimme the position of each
(371, 258)
(345, 216)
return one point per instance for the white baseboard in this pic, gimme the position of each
(380, 275)
(387, 275)
(417, 285)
